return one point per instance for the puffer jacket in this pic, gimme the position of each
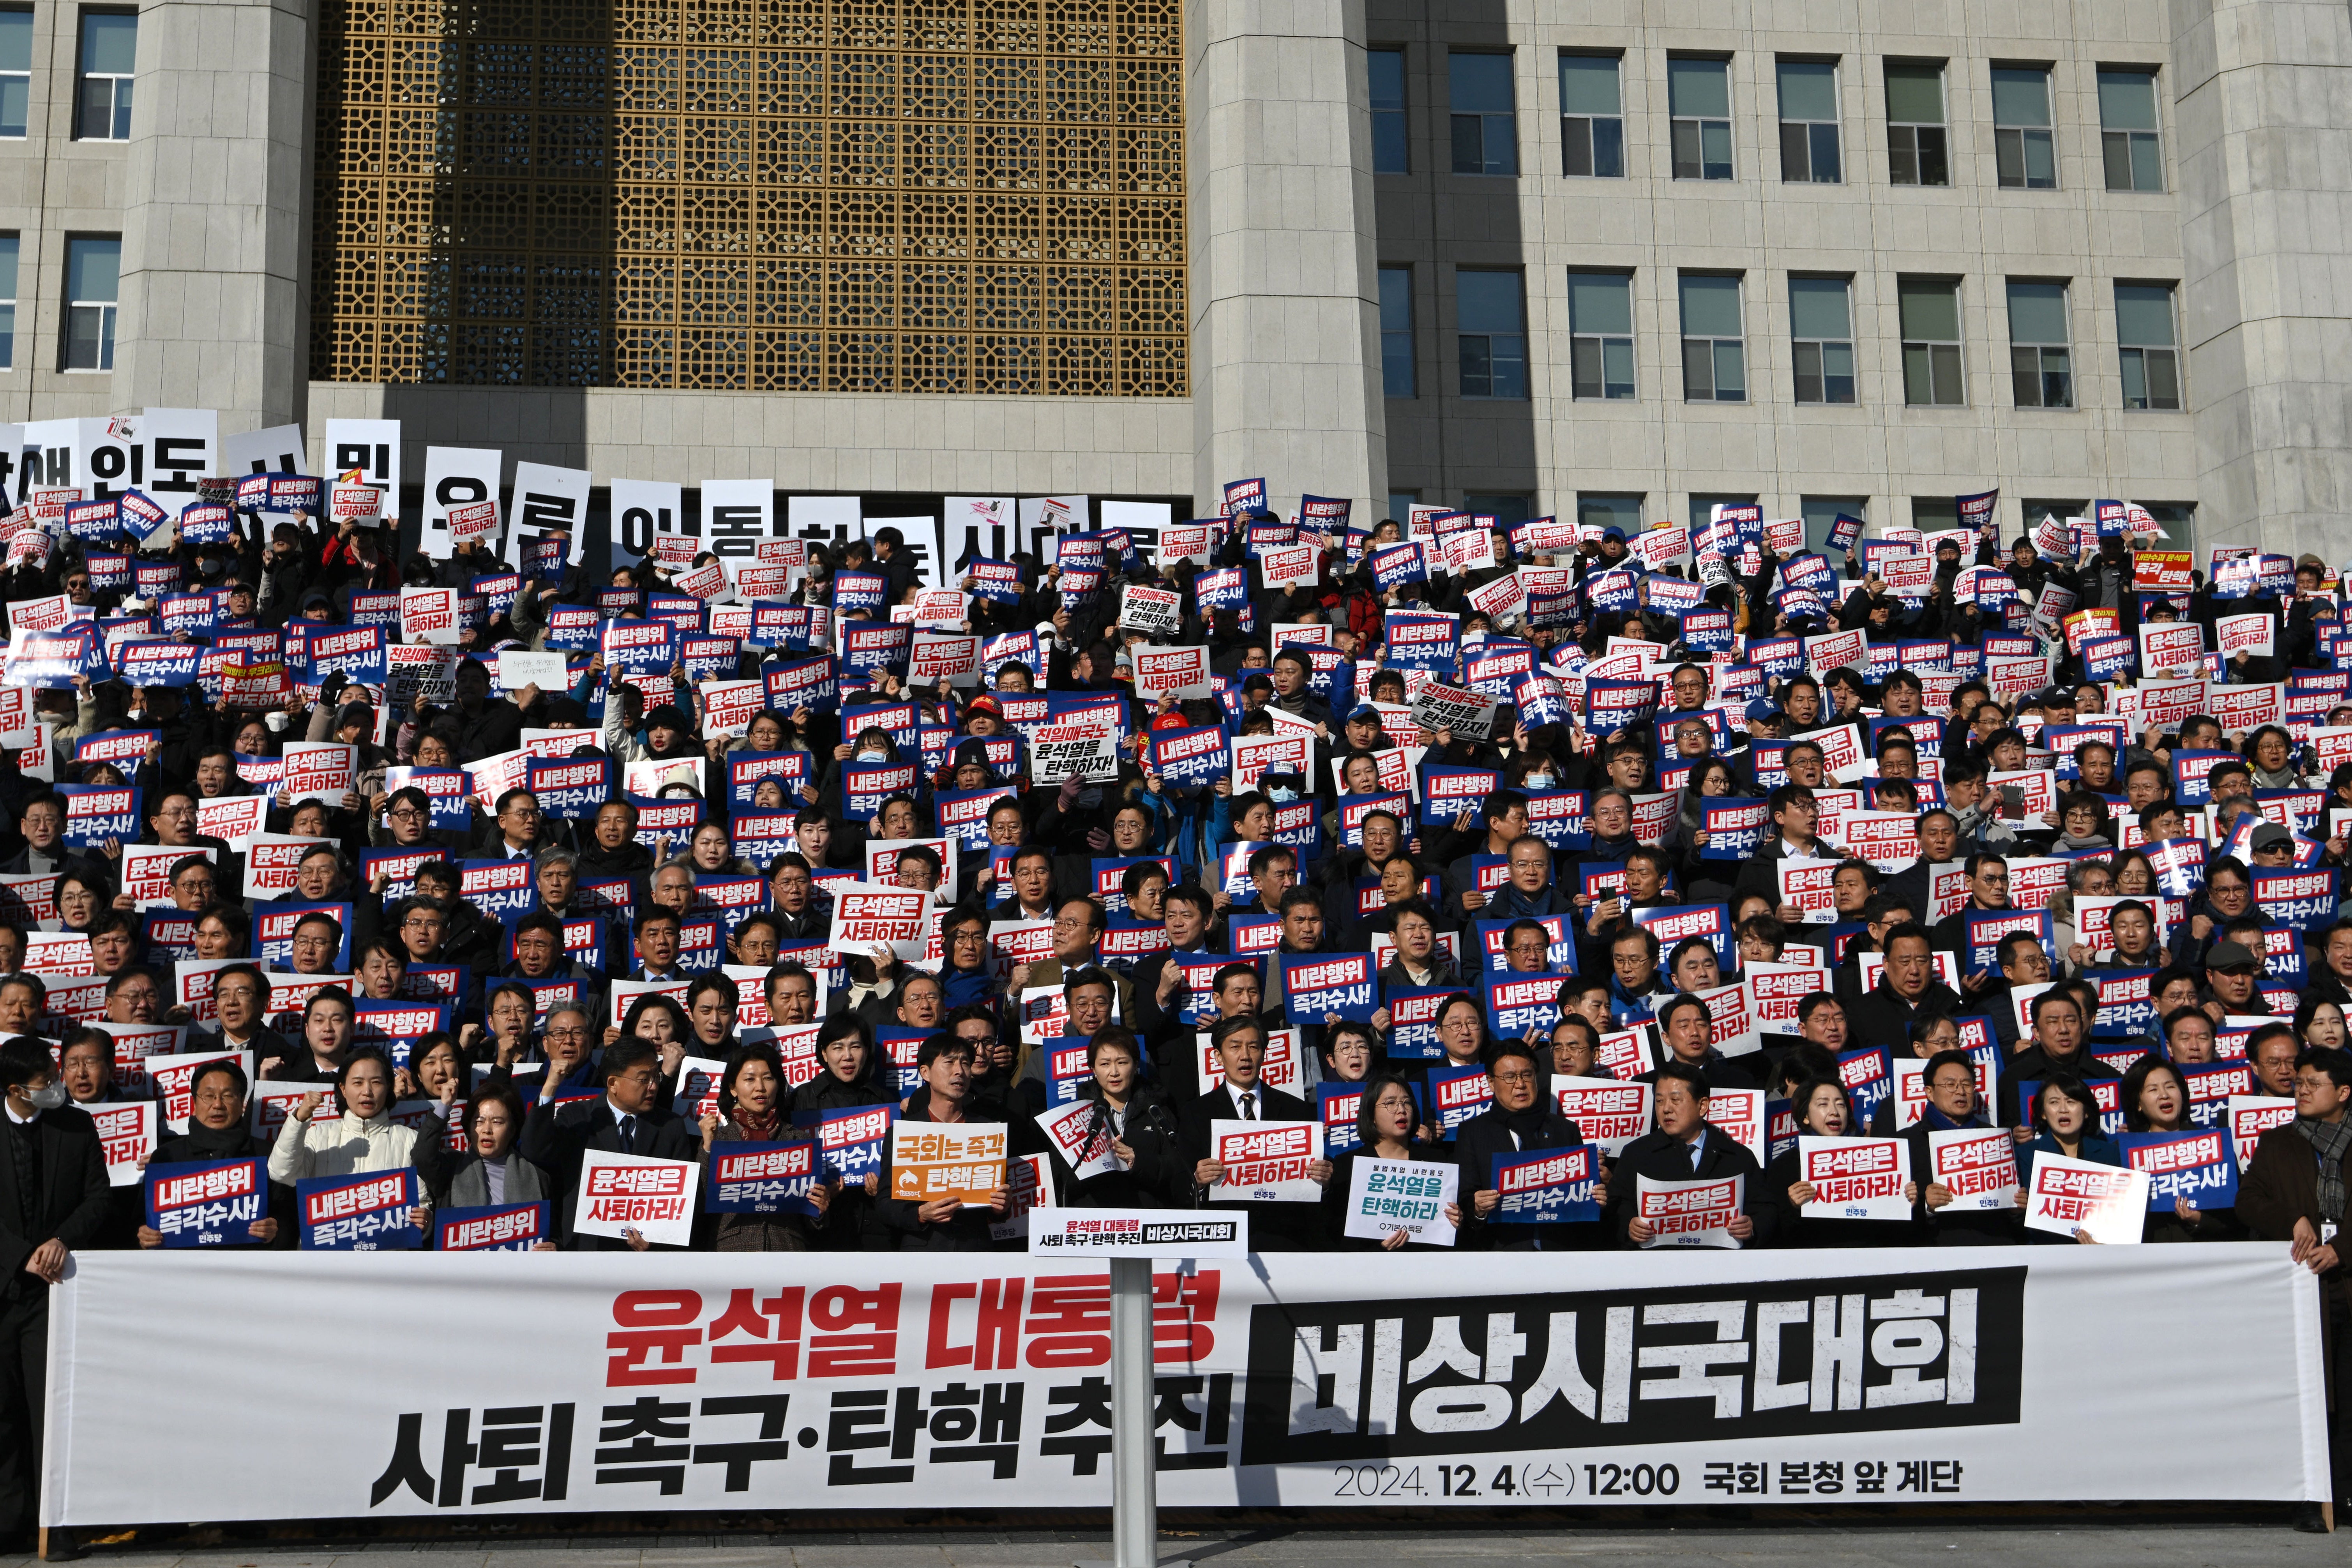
(339, 1147)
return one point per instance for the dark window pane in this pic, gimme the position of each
(1510, 357)
(1698, 374)
(1947, 373)
(1686, 164)
(1609, 149)
(1808, 361)
(1837, 371)
(1826, 169)
(2115, 147)
(1795, 167)
(1469, 149)
(2009, 158)
(1730, 373)
(2041, 164)
(1584, 367)
(2163, 379)
(2134, 368)
(2025, 377)
(1934, 168)
(97, 108)
(1478, 372)
(1902, 159)
(1389, 152)
(1918, 374)
(1576, 144)
(2147, 163)
(16, 97)
(2057, 380)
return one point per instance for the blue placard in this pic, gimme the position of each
(569, 789)
(1521, 1004)
(1318, 986)
(761, 1178)
(96, 813)
(851, 1144)
(2200, 1165)
(1545, 1186)
(1458, 1096)
(1735, 828)
(1986, 927)
(206, 1202)
(493, 1227)
(367, 1211)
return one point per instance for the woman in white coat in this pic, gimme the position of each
(364, 1137)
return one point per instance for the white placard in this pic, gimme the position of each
(621, 1192)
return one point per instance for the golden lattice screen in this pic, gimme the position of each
(913, 196)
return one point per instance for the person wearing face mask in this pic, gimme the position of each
(53, 1200)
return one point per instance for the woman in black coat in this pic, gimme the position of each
(1821, 1109)
(1143, 1128)
(846, 1080)
(1387, 1127)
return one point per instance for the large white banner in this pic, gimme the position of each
(695, 1380)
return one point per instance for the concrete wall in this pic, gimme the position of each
(1549, 447)
(2265, 118)
(215, 221)
(1286, 344)
(984, 445)
(52, 187)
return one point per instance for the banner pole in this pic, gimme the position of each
(1135, 1502)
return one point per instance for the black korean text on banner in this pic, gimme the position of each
(547, 500)
(370, 446)
(737, 514)
(183, 448)
(1376, 1380)
(454, 477)
(642, 508)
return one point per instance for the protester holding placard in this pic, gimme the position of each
(1387, 1127)
(1953, 1105)
(630, 1117)
(1135, 1116)
(2065, 1123)
(364, 1137)
(1521, 1119)
(1820, 1109)
(751, 1110)
(1685, 1148)
(2156, 1100)
(1241, 1095)
(946, 1066)
(491, 1172)
(218, 1131)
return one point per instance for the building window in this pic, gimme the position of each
(1601, 328)
(1929, 309)
(1396, 332)
(2179, 520)
(2151, 362)
(1494, 342)
(1392, 148)
(1702, 508)
(16, 72)
(1508, 511)
(1821, 514)
(1698, 97)
(1591, 117)
(1821, 323)
(1715, 356)
(110, 46)
(2033, 509)
(7, 301)
(1934, 514)
(1479, 92)
(1597, 511)
(1809, 123)
(1916, 151)
(2127, 133)
(2023, 154)
(93, 267)
(2041, 366)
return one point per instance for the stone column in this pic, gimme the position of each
(2264, 119)
(1285, 286)
(214, 300)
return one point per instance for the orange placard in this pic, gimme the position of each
(930, 1161)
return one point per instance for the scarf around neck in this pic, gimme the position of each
(2331, 1141)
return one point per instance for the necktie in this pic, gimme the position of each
(629, 1135)
(1249, 1106)
(1695, 1146)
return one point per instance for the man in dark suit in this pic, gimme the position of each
(629, 1120)
(1685, 1148)
(53, 1198)
(1240, 1096)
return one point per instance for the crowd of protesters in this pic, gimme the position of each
(502, 1106)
